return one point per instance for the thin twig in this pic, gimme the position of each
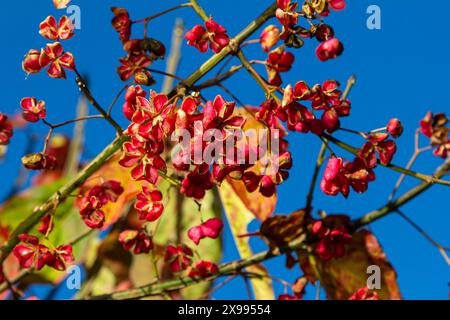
(262, 83)
(199, 10)
(159, 14)
(319, 162)
(350, 83)
(218, 79)
(417, 152)
(122, 90)
(61, 124)
(170, 75)
(81, 83)
(443, 250)
(405, 198)
(220, 285)
(247, 287)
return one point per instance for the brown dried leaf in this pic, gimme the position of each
(342, 277)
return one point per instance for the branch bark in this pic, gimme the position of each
(402, 200)
(183, 282)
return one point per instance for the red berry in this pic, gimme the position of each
(329, 49)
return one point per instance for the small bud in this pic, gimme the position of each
(329, 49)
(31, 63)
(156, 48)
(269, 37)
(6, 130)
(144, 78)
(324, 32)
(39, 161)
(395, 128)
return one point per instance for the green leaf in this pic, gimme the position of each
(180, 215)
(21, 206)
(67, 222)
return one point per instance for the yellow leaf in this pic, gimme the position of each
(261, 207)
(112, 170)
(239, 216)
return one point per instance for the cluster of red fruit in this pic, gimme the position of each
(435, 127)
(155, 118)
(331, 240)
(213, 35)
(33, 254)
(140, 52)
(297, 117)
(339, 175)
(97, 197)
(292, 33)
(53, 54)
(180, 258)
(6, 130)
(53, 57)
(34, 111)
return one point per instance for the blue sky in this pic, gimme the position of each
(401, 70)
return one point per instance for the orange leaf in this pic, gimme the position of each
(261, 207)
(239, 217)
(112, 170)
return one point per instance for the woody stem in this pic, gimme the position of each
(199, 10)
(81, 83)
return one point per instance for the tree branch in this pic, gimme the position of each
(405, 198)
(183, 282)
